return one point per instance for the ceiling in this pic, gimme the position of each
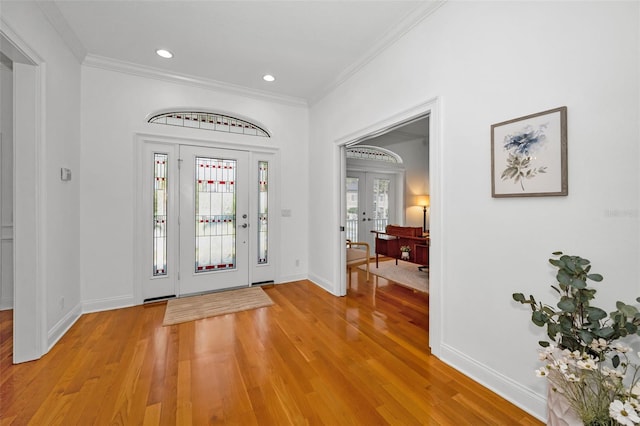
(309, 46)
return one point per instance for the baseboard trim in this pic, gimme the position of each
(523, 397)
(106, 304)
(66, 322)
(6, 304)
(322, 283)
(291, 278)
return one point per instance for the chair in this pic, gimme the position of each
(357, 256)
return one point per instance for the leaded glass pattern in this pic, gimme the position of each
(372, 153)
(160, 198)
(352, 208)
(263, 204)
(209, 121)
(215, 214)
(380, 203)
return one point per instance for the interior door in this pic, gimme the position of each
(370, 204)
(214, 224)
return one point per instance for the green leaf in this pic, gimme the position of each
(615, 360)
(563, 277)
(543, 343)
(595, 314)
(578, 283)
(627, 310)
(519, 297)
(630, 327)
(586, 336)
(538, 318)
(581, 261)
(557, 253)
(567, 304)
(552, 330)
(604, 332)
(556, 262)
(595, 277)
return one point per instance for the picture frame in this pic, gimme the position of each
(529, 155)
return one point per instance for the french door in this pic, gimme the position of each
(370, 204)
(209, 213)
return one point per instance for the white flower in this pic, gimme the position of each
(635, 390)
(611, 372)
(598, 345)
(623, 413)
(587, 364)
(622, 348)
(562, 366)
(541, 372)
(571, 378)
(575, 355)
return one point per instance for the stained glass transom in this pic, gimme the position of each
(160, 214)
(215, 214)
(263, 204)
(372, 153)
(209, 121)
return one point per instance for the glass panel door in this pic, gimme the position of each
(370, 204)
(214, 225)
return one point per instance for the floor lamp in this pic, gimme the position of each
(423, 201)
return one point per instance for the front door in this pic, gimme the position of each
(195, 224)
(214, 224)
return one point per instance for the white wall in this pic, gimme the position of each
(115, 106)
(6, 187)
(489, 62)
(59, 201)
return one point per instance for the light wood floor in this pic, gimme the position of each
(310, 359)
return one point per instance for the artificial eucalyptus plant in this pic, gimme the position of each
(584, 362)
(574, 323)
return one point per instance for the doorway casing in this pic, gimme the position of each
(30, 339)
(429, 108)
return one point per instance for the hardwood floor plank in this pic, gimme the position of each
(310, 359)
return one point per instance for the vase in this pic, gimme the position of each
(404, 255)
(559, 412)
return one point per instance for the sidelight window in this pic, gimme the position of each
(160, 214)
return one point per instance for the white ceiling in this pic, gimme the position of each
(310, 46)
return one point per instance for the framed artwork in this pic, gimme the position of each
(529, 155)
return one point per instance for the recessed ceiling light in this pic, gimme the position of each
(164, 53)
(268, 77)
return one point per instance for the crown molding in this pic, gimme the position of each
(391, 37)
(110, 64)
(61, 26)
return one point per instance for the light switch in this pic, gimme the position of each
(65, 174)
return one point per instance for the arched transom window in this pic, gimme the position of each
(373, 153)
(209, 121)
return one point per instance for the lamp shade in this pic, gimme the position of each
(421, 200)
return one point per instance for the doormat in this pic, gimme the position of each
(404, 273)
(212, 304)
